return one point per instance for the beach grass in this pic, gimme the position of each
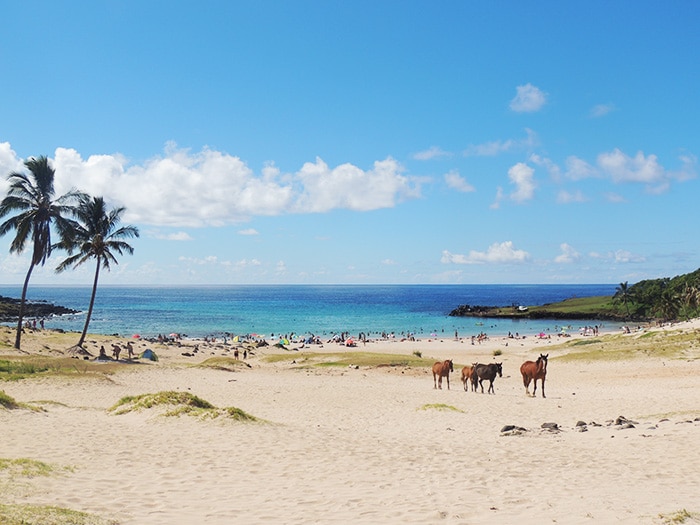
(345, 359)
(48, 515)
(178, 403)
(680, 516)
(26, 467)
(222, 363)
(441, 407)
(14, 368)
(7, 401)
(670, 344)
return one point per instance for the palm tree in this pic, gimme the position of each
(32, 196)
(96, 236)
(624, 295)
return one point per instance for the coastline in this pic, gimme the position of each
(375, 444)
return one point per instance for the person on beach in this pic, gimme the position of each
(130, 349)
(116, 350)
(103, 353)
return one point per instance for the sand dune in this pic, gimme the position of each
(369, 445)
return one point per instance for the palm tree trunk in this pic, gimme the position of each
(92, 302)
(20, 316)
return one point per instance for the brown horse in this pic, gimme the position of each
(487, 372)
(466, 376)
(441, 370)
(532, 371)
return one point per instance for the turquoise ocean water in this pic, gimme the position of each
(322, 310)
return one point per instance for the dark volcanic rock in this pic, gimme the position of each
(9, 309)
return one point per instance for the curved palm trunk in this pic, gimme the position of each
(18, 337)
(92, 302)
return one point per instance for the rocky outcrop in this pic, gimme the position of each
(9, 309)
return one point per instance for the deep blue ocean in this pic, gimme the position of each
(322, 310)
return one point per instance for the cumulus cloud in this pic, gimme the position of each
(455, 181)
(248, 231)
(528, 99)
(522, 176)
(349, 187)
(431, 153)
(548, 164)
(578, 169)
(9, 163)
(497, 253)
(568, 254)
(211, 188)
(490, 149)
(178, 236)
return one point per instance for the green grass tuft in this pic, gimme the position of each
(8, 401)
(440, 406)
(25, 467)
(47, 515)
(178, 404)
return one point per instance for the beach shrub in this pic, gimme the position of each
(497, 352)
(7, 401)
(418, 353)
(25, 467)
(47, 515)
(178, 403)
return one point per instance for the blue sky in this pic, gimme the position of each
(266, 142)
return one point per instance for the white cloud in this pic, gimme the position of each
(522, 176)
(431, 153)
(639, 168)
(502, 253)
(578, 169)
(349, 187)
(528, 99)
(568, 254)
(490, 149)
(212, 188)
(9, 163)
(248, 231)
(565, 197)
(455, 181)
(600, 110)
(548, 164)
(619, 256)
(614, 197)
(389, 262)
(200, 261)
(645, 170)
(178, 236)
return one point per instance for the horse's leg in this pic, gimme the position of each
(534, 390)
(434, 382)
(491, 390)
(440, 381)
(543, 387)
(448, 380)
(526, 382)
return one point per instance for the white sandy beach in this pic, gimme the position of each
(369, 445)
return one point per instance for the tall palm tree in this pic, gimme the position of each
(96, 236)
(32, 196)
(624, 295)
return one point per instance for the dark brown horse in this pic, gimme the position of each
(487, 372)
(467, 375)
(532, 371)
(440, 370)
